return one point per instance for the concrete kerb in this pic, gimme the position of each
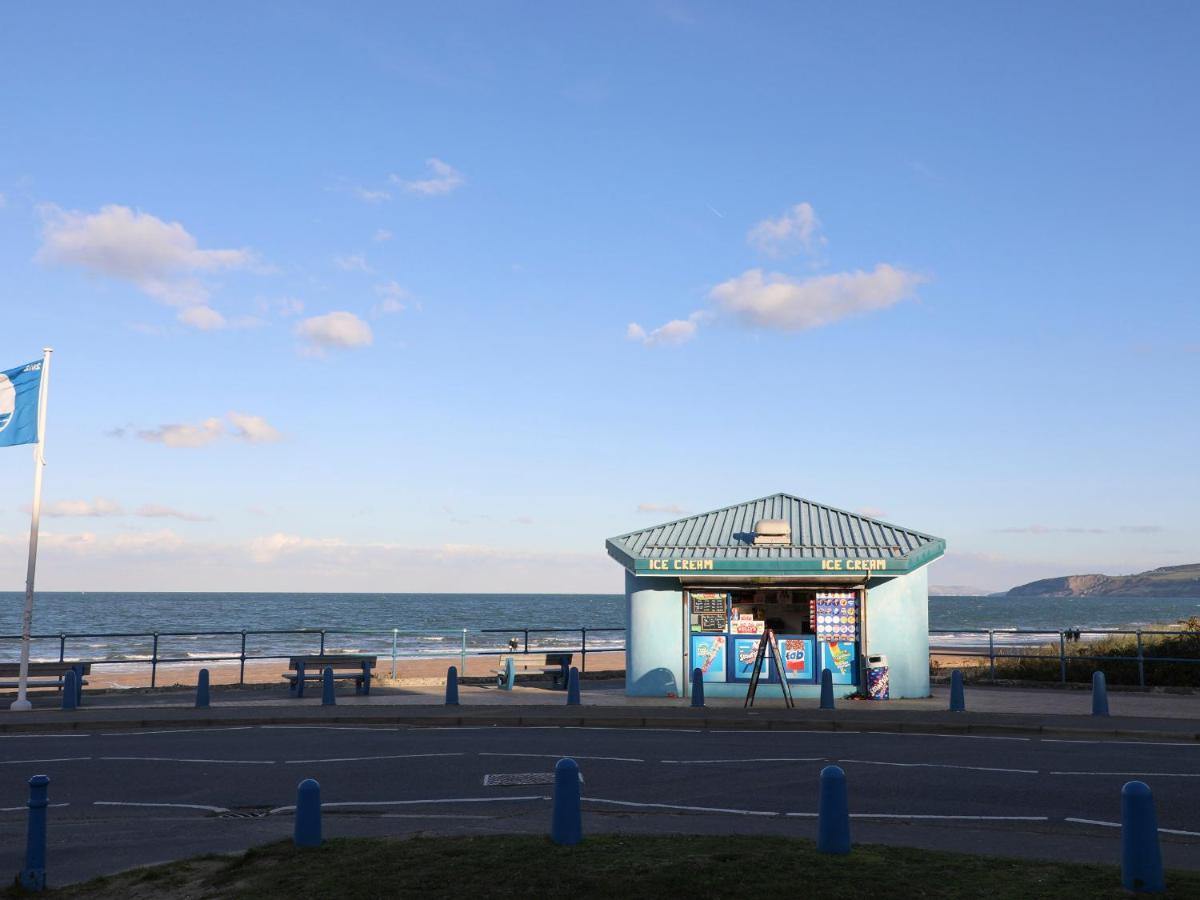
(978, 724)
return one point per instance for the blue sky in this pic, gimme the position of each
(404, 297)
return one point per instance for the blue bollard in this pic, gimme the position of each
(833, 812)
(202, 689)
(958, 702)
(573, 687)
(566, 827)
(452, 686)
(307, 830)
(506, 679)
(1099, 695)
(328, 698)
(1141, 855)
(70, 690)
(33, 876)
(697, 687)
(826, 689)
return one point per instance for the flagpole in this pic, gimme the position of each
(39, 463)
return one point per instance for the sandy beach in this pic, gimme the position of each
(270, 671)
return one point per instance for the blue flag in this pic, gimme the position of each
(19, 389)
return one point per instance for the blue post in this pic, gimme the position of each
(509, 677)
(307, 830)
(566, 828)
(452, 686)
(826, 689)
(833, 812)
(573, 687)
(33, 876)
(202, 689)
(1099, 695)
(327, 696)
(1141, 855)
(958, 703)
(697, 687)
(78, 685)
(70, 690)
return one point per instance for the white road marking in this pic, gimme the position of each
(329, 728)
(933, 734)
(72, 735)
(430, 816)
(707, 809)
(951, 818)
(781, 731)
(227, 762)
(1118, 825)
(25, 808)
(572, 756)
(338, 759)
(357, 803)
(1137, 774)
(178, 731)
(214, 809)
(23, 762)
(875, 762)
(760, 759)
(1130, 743)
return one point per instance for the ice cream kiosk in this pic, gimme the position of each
(833, 586)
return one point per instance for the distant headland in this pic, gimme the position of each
(1169, 581)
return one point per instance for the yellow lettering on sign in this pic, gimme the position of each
(693, 565)
(854, 565)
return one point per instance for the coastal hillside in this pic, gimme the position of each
(1169, 581)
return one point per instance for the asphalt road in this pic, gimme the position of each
(131, 798)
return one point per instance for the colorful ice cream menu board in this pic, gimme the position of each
(837, 616)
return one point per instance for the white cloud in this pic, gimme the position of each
(334, 330)
(381, 235)
(242, 426)
(270, 548)
(79, 508)
(203, 317)
(393, 298)
(871, 512)
(661, 508)
(138, 542)
(366, 195)
(798, 229)
(184, 435)
(443, 179)
(352, 262)
(158, 511)
(778, 301)
(160, 258)
(253, 429)
(677, 331)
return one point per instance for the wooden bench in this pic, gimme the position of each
(45, 675)
(557, 664)
(346, 667)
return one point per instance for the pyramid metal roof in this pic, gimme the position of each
(824, 540)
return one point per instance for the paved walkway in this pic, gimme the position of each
(989, 710)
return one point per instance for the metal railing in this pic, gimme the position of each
(582, 650)
(151, 650)
(1063, 638)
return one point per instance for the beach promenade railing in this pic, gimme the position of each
(1027, 646)
(157, 648)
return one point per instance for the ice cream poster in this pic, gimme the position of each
(797, 658)
(839, 657)
(744, 651)
(708, 655)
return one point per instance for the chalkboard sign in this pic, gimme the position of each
(709, 603)
(712, 622)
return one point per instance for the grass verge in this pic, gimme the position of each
(609, 866)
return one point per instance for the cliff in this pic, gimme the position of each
(1169, 581)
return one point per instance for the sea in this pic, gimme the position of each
(118, 627)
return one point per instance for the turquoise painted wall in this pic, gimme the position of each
(898, 627)
(653, 637)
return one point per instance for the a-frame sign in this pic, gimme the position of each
(768, 641)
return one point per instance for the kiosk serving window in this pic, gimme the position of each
(817, 628)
